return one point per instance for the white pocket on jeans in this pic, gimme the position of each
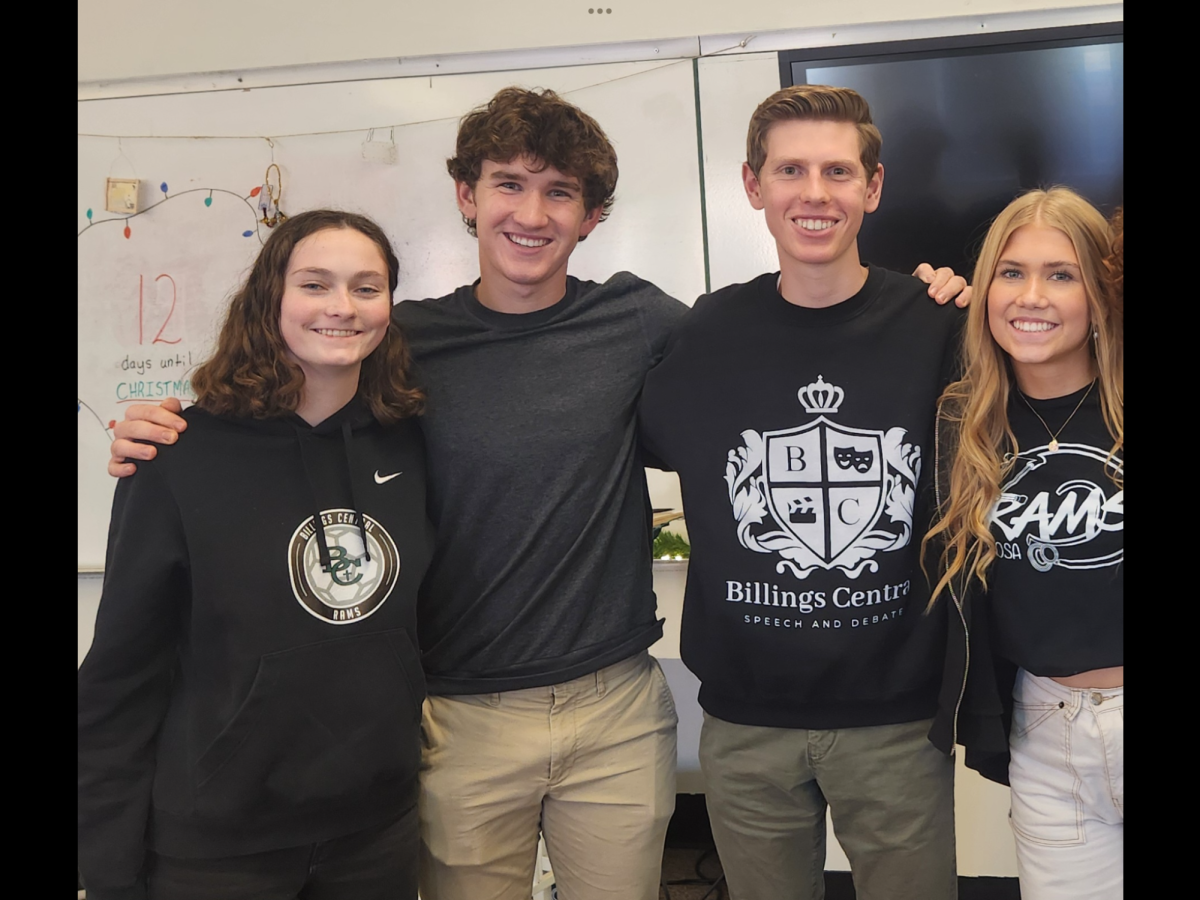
(1046, 806)
(1028, 716)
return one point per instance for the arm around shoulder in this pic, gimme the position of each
(944, 284)
(661, 315)
(142, 428)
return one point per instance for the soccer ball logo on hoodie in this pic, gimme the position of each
(354, 583)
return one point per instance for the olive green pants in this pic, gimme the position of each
(889, 791)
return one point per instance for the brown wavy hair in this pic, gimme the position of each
(544, 127)
(817, 103)
(251, 373)
(977, 405)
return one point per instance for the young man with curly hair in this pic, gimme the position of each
(545, 707)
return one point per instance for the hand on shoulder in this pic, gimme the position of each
(160, 424)
(944, 284)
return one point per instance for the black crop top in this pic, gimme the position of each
(1058, 582)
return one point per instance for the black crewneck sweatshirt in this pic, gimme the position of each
(802, 438)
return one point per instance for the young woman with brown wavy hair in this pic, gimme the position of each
(1029, 541)
(249, 710)
(252, 371)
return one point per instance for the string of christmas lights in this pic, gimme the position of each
(208, 201)
(82, 405)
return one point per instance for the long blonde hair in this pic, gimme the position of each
(977, 405)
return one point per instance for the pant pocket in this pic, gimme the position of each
(666, 698)
(1046, 805)
(1028, 716)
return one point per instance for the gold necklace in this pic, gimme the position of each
(1054, 435)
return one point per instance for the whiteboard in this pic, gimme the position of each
(150, 301)
(731, 87)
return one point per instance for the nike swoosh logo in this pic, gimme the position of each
(384, 479)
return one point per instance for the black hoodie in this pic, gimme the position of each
(254, 682)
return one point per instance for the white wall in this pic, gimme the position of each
(137, 38)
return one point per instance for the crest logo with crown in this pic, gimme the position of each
(820, 397)
(816, 494)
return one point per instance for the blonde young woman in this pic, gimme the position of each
(1029, 541)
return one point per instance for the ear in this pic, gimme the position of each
(874, 190)
(753, 188)
(465, 195)
(590, 221)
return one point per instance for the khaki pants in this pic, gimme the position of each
(591, 762)
(890, 793)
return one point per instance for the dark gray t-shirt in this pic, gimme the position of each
(542, 571)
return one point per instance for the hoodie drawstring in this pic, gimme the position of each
(318, 525)
(347, 444)
(358, 516)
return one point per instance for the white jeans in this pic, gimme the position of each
(1068, 790)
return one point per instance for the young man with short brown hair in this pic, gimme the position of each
(800, 458)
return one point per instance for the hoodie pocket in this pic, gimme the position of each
(322, 725)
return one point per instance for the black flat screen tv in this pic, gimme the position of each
(970, 122)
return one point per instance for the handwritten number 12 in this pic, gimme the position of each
(158, 338)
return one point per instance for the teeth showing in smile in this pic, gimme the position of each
(528, 242)
(814, 224)
(333, 332)
(1033, 327)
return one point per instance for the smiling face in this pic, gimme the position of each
(1038, 311)
(528, 223)
(336, 304)
(814, 192)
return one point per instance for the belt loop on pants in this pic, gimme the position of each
(1074, 705)
(601, 688)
